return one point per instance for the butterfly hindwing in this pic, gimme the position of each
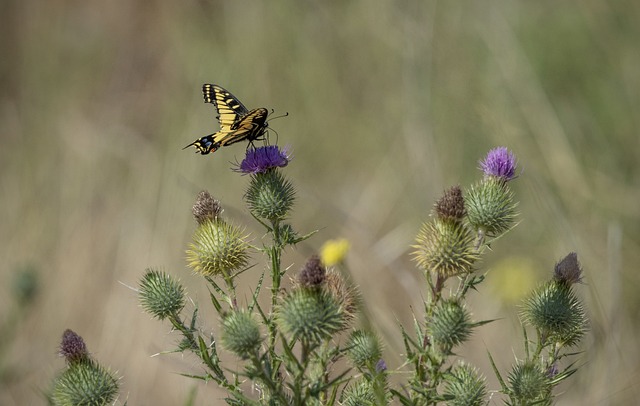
(251, 127)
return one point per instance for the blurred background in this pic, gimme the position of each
(389, 103)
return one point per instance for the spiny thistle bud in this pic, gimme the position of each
(206, 208)
(313, 274)
(161, 295)
(449, 325)
(358, 394)
(218, 248)
(287, 234)
(84, 381)
(364, 349)
(333, 252)
(310, 315)
(445, 248)
(240, 333)
(529, 384)
(73, 348)
(568, 270)
(499, 163)
(345, 294)
(465, 387)
(270, 195)
(490, 206)
(450, 207)
(556, 312)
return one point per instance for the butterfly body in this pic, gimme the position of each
(237, 123)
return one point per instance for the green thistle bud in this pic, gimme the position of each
(310, 315)
(555, 311)
(364, 349)
(287, 234)
(359, 394)
(445, 248)
(218, 248)
(84, 383)
(270, 195)
(206, 208)
(160, 295)
(465, 387)
(240, 333)
(490, 206)
(450, 325)
(529, 384)
(450, 207)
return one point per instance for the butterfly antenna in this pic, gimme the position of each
(284, 115)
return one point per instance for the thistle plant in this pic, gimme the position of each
(297, 342)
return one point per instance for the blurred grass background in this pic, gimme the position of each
(389, 104)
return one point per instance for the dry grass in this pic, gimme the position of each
(389, 104)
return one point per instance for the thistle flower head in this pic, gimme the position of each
(206, 207)
(568, 270)
(499, 163)
(261, 159)
(161, 295)
(491, 207)
(313, 274)
(72, 347)
(451, 205)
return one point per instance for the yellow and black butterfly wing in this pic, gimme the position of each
(230, 109)
(250, 127)
(205, 144)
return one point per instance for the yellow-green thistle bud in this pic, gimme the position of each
(84, 383)
(449, 325)
(445, 248)
(218, 248)
(555, 311)
(160, 295)
(490, 206)
(465, 387)
(240, 333)
(206, 208)
(310, 315)
(270, 196)
(529, 384)
(364, 349)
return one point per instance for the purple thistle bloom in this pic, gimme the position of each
(261, 159)
(381, 366)
(499, 163)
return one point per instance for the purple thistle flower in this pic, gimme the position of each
(381, 366)
(499, 163)
(261, 159)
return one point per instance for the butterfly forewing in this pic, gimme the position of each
(229, 108)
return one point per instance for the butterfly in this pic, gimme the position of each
(237, 123)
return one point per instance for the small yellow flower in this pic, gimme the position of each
(333, 252)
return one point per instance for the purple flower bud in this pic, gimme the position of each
(381, 366)
(499, 163)
(73, 347)
(261, 159)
